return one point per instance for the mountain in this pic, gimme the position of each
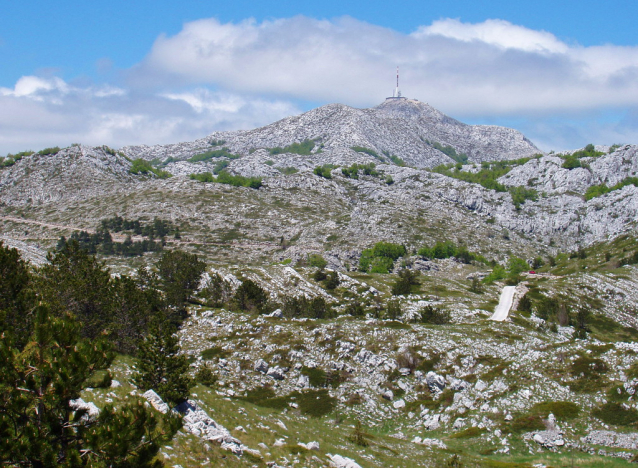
(393, 362)
(405, 128)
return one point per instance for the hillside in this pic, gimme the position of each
(406, 128)
(327, 213)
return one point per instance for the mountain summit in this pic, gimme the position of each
(412, 130)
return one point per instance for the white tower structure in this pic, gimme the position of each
(397, 92)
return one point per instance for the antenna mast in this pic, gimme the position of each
(397, 93)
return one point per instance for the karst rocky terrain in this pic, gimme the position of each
(533, 390)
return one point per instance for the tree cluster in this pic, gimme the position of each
(59, 325)
(381, 257)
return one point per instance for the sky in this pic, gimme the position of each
(146, 72)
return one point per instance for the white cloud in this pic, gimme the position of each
(465, 69)
(495, 32)
(39, 112)
(221, 76)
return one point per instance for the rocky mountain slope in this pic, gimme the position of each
(494, 394)
(404, 127)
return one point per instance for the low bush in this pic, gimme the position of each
(303, 148)
(49, 151)
(324, 171)
(368, 151)
(316, 377)
(352, 172)
(469, 433)
(382, 256)
(142, 167)
(315, 403)
(616, 414)
(317, 261)
(434, 315)
(205, 376)
(287, 170)
(208, 155)
(225, 177)
(214, 352)
(562, 410)
(405, 282)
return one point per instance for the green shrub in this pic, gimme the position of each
(397, 160)
(250, 297)
(381, 265)
(287, 170)
(393, 310)
(220, 166)
(404, 284)
(599, 190)
(141, 166)
(469, 433)
(301, 306)
(368, 151)
(616, 414)
(562, 410)
(208, 155)
(498, 273)
(304, 148)
(386, 251)
(49, 151)
(216, 351)
(202, 177)
(316, 377)
(521, 194)
(332, 281)
(487, 176)
(205, 376)
(355, 309)
(238, 181)
(571, 162)
(435, 316)
(324, 171)
(352, 172)
(319, 275)
(450, 151)
(315, 403)
(317, 261)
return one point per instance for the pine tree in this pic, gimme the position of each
(38, 427)
(160, 366)
(180, 273)
(16, 297)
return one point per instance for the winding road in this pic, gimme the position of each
(504, 304)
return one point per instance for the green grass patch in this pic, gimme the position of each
(215, 352)
(616, 414)
(561, 409)
(469, 433)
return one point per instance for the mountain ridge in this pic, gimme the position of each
(406, 128)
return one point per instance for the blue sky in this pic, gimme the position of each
(565, 73)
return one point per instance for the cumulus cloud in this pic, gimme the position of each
(222, 76)
(40, 112)
(493, 67)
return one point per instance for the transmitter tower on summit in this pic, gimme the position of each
(396, 94)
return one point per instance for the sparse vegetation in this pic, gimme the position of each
(303, 148)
